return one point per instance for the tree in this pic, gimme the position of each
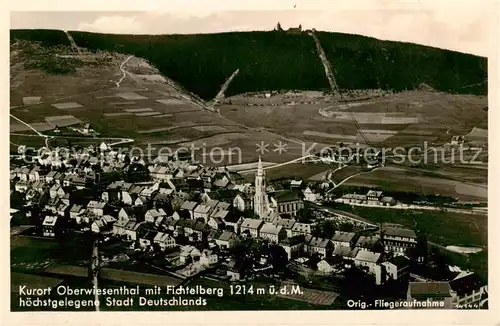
(327, 229)
(346, 227)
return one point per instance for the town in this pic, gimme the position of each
(190, 221)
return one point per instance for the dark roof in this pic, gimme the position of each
(399, 232)
(199, 226)
(333, 260)
(295, 240)
(232, 217)
(429, 289)
(287, 195)
(343, 236)
(466, 284)
(400, 261)
(223, 194)
(161, 197)
(186, 223)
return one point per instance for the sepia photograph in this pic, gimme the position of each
(246, 160)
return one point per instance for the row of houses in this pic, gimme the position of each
(372, 197)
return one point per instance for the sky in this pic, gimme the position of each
(464, 26)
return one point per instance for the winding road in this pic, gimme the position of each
(123, 71)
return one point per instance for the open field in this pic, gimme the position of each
(422, 182)
(294, 170)
(388, 120)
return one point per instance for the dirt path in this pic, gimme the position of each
(123, 71)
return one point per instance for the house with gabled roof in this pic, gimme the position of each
(202, 211)
(233, 222)
(96, 208)
(315, 245)
(216, 222)
(345, 252)
(76, 211)
(329, 264)
(189, 206)
(103, 224)
(141, 201)
(293, 246)
(373, 197)
(152, 215)
(273, 233)
(343, 239)
(251, 226)
(367, 242)
(164, 241)
(226, 239)
(161, 200)
(397, 268)
(370, 262)
(287, 224)
(130, 230)
(52, 205)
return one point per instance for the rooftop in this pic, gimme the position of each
(318, 242)
(49, 220)
(286, 196)
(226, 235)
(251, 223)
(466, 284)
(343, 236)
(429, 289)
(398, 232)
(270, 228)
(368, 256)
(287, 223)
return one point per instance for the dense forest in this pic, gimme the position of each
(277, 60)
(46, 37)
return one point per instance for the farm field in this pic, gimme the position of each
(422, 182)
(386, 121)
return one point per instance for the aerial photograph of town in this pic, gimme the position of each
(288, 168)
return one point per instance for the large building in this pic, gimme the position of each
(398, 240)
(289, 202)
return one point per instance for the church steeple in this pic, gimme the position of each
(260, 171)
(261, 203)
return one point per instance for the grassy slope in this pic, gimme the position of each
(274, 60)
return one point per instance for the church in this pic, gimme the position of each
(264, 207)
